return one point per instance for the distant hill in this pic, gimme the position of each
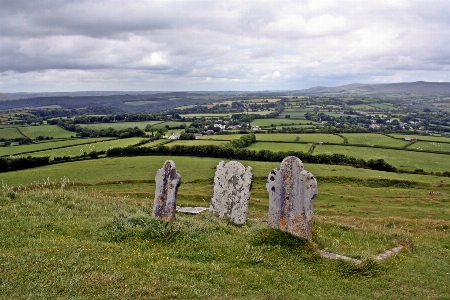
(418, 88)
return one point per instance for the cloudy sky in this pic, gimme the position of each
(76, 45)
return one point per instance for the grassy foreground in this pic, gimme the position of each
(64, 243)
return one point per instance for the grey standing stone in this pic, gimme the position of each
(231, 192)
(167, 182)
(291, 197)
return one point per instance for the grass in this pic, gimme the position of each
(280, 122)
(302, 137)
(16, 150)
(423, 138)
(279, 146)
(46, 130)
(373, 140)
(10, 133)
(81, 149)
(405, 160)
(61, 242)
(431, 146)
(120, 125)
(224, 137)
(195, 142)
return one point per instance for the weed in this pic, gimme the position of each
(367, 268)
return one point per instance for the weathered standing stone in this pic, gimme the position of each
(291, 196)
(231, 192)
(167, 182)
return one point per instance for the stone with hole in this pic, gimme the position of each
(291, 196)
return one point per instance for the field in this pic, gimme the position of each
(10, 133)
(373, 140)
(46, 130)
(279, 146)
(398, 158)
(222, 137)
(120, 125)
(423, 138)
(431, 146)
(81, 149)
(302, 137)
(15, 150)
(195, 142)
(280, 122)
(98, 241)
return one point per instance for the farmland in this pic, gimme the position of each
(82, 227)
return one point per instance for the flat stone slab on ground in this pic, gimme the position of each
(191, 210)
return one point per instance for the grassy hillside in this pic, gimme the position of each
(97, 240)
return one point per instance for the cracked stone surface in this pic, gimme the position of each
(167, 182)
(291, 197)
(231, 192)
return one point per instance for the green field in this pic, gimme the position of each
(405, 160)
(120, 125)
(46, 130)
(222, 137)
(302, 137)
(139, 103)
(423, 138)
(81, 149)
(430, 146)
(280, 122)
(373, 140)
(195, 142)
(170, 124)
(10, 133)
(204, 115)
(279, 146)
(15, 150)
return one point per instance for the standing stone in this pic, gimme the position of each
(291, 195)
(231, 192)
(167, 182)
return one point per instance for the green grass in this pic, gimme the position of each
(224, 137)
(86, 148)
(46, 130)
(171, 124)
(10, 133)
(120, 125)
(373, 140)
(280, 122)
(302, 137)
(423, 138)
(195, 142)
(431, 146)
(206, 115)
(63, 242)
(405, 160)
(279, 146)
(16, 150)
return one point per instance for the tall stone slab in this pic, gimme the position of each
(231, 192)
(167, 182)
(291, 197)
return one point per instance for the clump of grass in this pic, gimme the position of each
(142, 227)
(367, 268)
(286, 241)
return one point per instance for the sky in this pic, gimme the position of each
(223, 45)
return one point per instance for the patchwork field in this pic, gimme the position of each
(15, 150)
(373, 140)
(87, 148)
(195, 142)
(279, 146)
(281, 122)
(120, 125)
(10, 133)
(46, 130)
(302, 137)
(405, 160)
(431, 146)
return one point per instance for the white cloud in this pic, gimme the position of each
(226, 45)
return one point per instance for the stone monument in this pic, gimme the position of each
(291, 195)
(167, 182)
(231, 191)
